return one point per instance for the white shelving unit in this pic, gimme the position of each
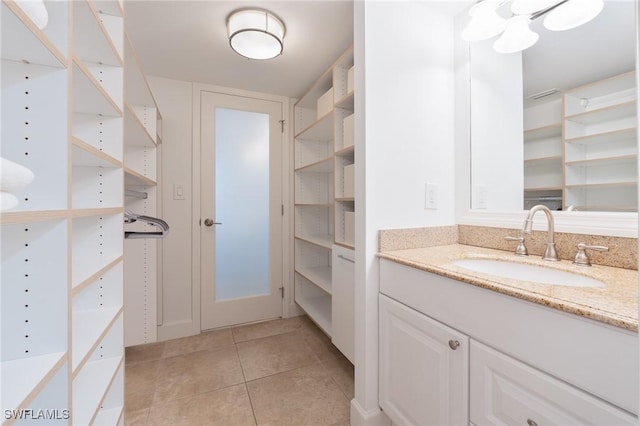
(62, 251)
(321, 199)
(543, 154)
(142, 146)
(600, 145)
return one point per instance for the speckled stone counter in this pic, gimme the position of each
(616, 304)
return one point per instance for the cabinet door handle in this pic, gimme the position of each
(454, 344)
(346, 258)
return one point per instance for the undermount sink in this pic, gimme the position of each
(527, 272)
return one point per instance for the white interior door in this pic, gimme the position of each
(241, 216)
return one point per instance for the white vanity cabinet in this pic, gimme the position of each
(423, 368)
(506, 391)
(523, 363)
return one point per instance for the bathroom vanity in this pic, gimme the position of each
(461, 347)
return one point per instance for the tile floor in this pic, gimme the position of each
(281, 372)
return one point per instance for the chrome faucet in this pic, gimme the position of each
(550, 252)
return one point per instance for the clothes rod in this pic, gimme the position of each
(135, 194)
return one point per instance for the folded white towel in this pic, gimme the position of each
(36, 10)
(13, 176)
(7, 201)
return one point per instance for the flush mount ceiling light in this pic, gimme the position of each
(488, 20)
(255, 33)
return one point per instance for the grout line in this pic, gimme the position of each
(246, 388)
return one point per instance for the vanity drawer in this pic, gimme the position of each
(505, 391)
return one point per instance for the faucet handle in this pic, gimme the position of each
(581, 256)
(521, 249)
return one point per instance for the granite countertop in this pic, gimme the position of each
(616, 304)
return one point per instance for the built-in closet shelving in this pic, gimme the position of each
(324, 192)
(62, 251)
(580, 151)
(142, 146)
(543, 177)
(600, 145)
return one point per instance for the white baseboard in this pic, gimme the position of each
(360, 417)
(293, 310)
(175, 330)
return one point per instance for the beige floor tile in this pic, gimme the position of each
(197, 372)
(225, 407)
(265, 329)
(319, 343)
(139, 384)
(203, 341)
(274, 354)
(341, 370)
(146, 352)
(305, 396)
(136, 418)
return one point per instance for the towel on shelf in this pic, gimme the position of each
(7, 201)
(36, 11)
(13, 176)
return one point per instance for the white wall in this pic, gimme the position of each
(174, 99)
(404, 138)
(496, 120)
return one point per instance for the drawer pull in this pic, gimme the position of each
(531, 423)
(454, 344)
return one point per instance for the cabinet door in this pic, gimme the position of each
(423, 368)
(342, 300)
(505, 391)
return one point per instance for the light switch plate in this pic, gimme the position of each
(431, 196)
(178, 192)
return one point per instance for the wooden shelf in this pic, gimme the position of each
(318, 308)
(543, 160)
(606, 137)
(135, 131)
(602, 185)
(346, 102)
(134, 178)
(109, 7)
(91, 40)
(602, 161)
(26, 377)
(549, 131)
(345, 152)
(89, 328)
(22, 40)
(324, 241)
(543, 188)
(84, 154)
(95, 378)
(318, 275)
(324, 165)
(613, 112)
(311, 204)
(7, 218)
(321, 130)
(88, 94)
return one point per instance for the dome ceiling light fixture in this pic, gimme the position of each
(255, 33)
(514, 31)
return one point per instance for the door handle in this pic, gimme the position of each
(210, 222)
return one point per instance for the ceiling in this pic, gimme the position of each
(601, 48)
(187, 40)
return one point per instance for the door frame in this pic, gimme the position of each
(289, 308)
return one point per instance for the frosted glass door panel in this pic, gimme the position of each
(241, 203)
